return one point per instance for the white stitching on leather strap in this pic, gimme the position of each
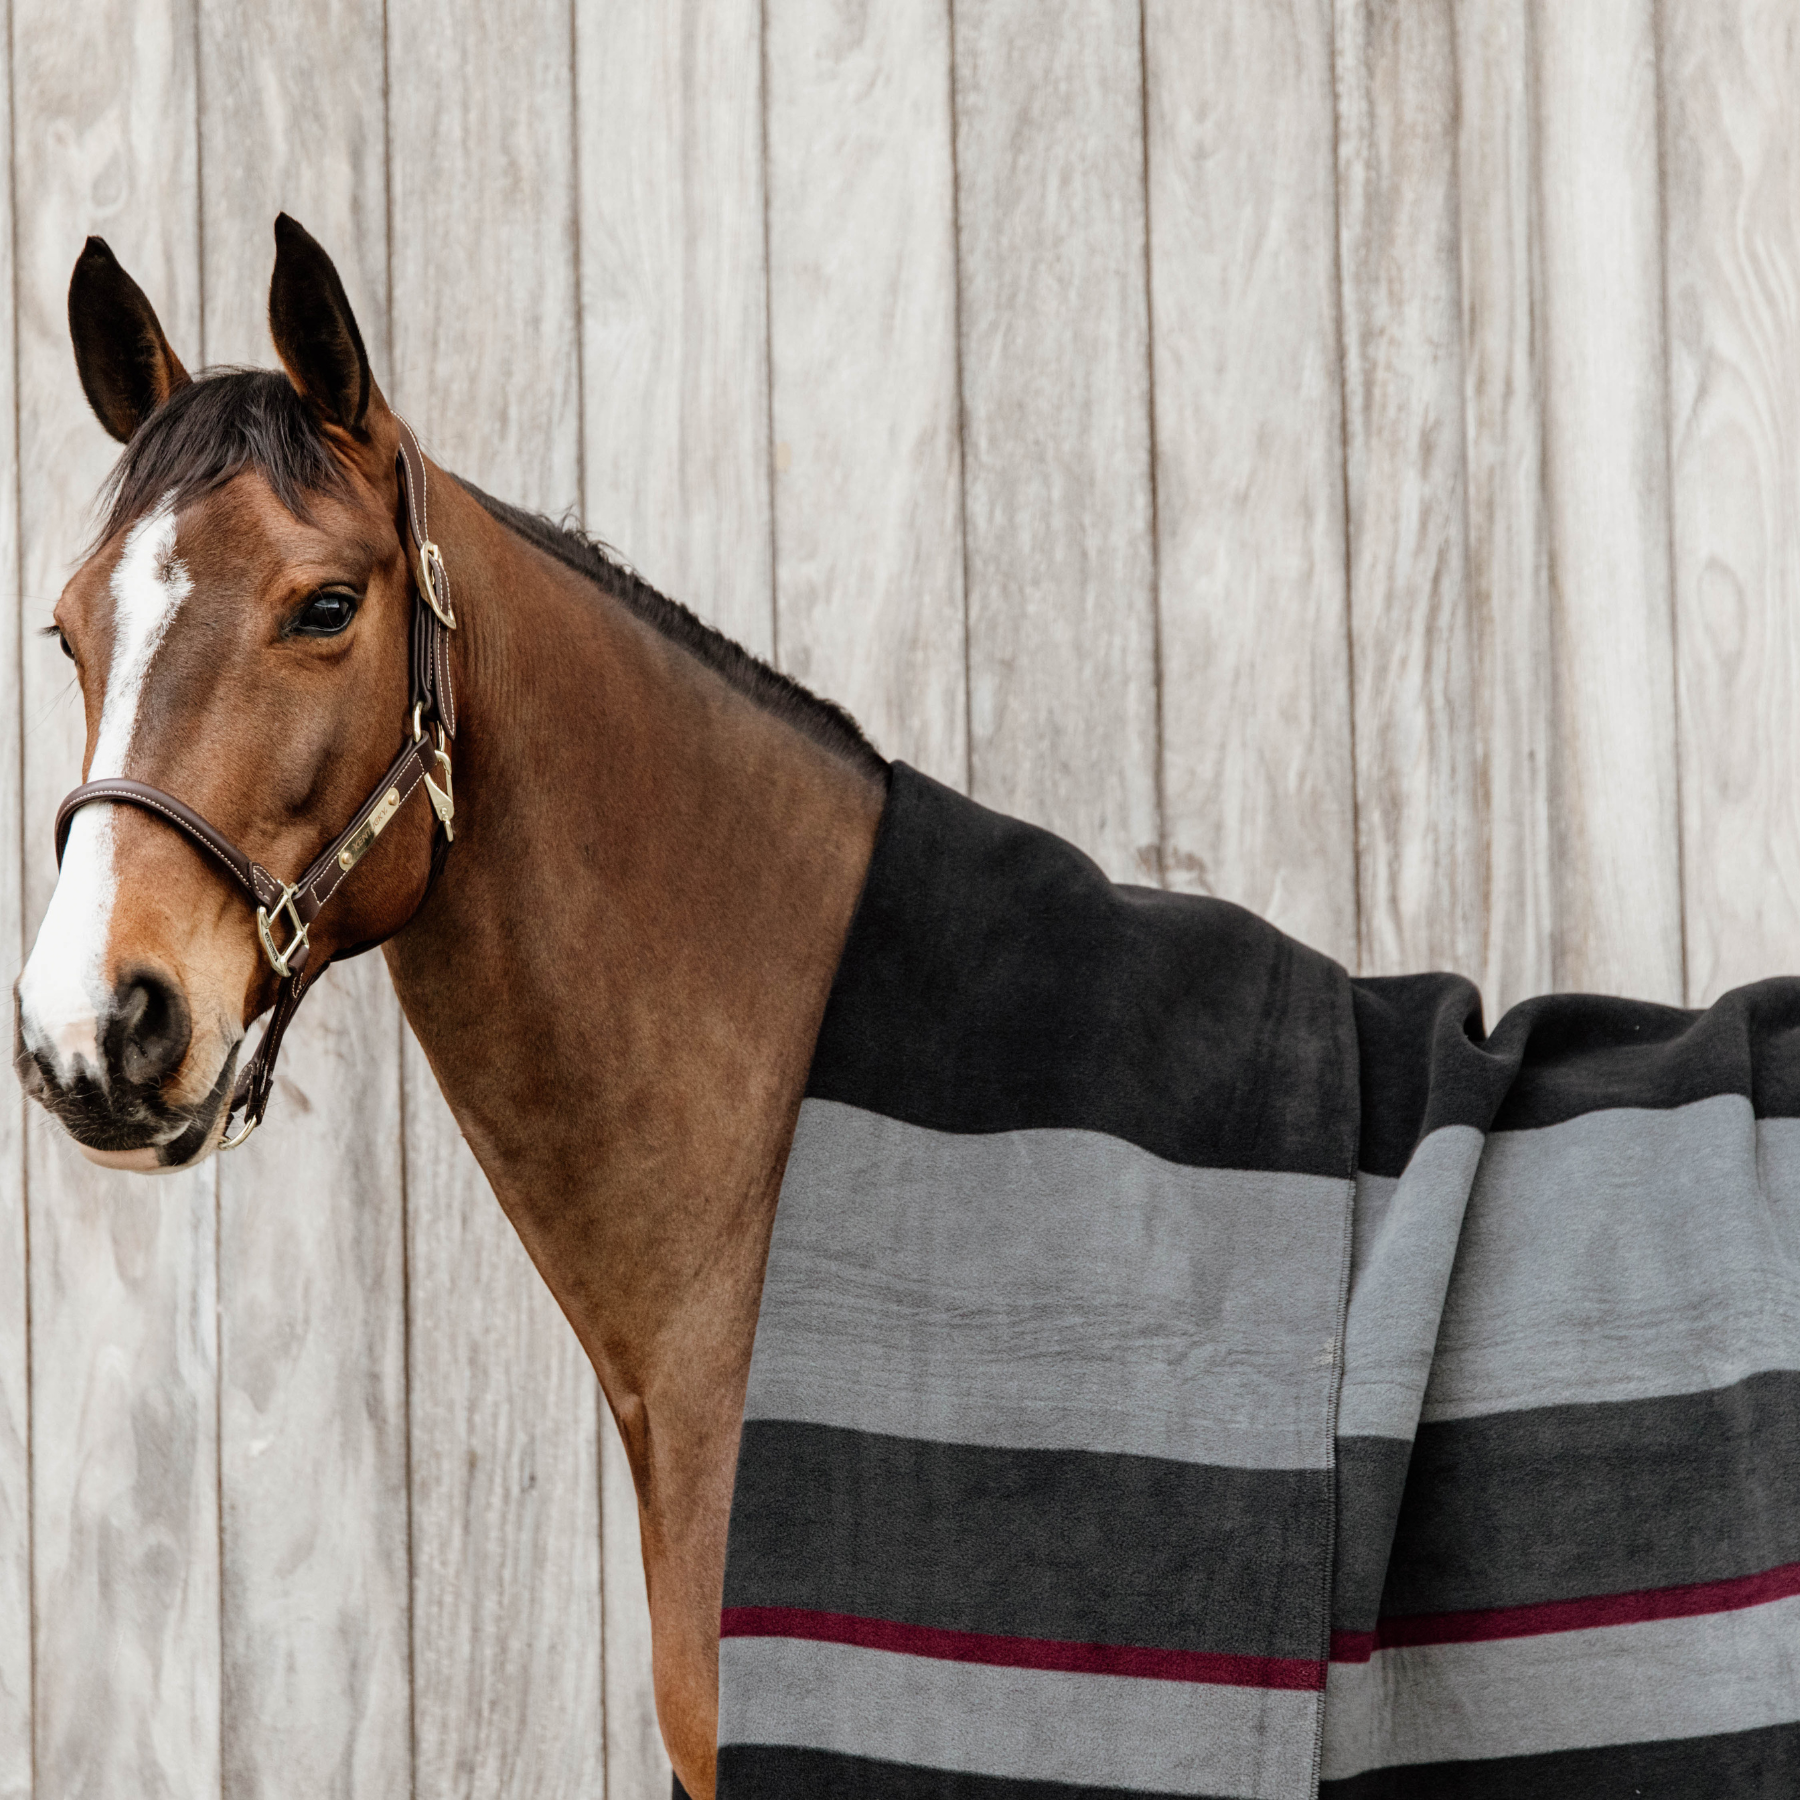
(125, 797)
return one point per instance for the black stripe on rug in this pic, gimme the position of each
(1424, 1063)
(995, 980)
(1737, 1765)
(769, 1772)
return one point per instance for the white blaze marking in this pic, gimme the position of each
(64, 991)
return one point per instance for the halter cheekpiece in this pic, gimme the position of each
(285, 912)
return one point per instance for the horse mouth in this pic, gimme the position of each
(133, 1128)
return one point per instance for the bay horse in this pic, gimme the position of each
(1172, 1368)
(618, 977)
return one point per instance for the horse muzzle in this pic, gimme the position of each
(107, 1076)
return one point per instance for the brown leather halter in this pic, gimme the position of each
(292, 908)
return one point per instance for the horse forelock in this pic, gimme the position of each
(204, 434)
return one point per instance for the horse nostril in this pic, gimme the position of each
(148, 1032)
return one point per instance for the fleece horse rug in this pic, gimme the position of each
(1185, 1370)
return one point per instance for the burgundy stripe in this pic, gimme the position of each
(1021, 1652)
(1638, 1608)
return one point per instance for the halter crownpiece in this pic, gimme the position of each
(285, 911)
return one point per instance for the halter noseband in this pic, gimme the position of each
(289, 910)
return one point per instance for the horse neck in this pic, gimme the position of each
(619, 977)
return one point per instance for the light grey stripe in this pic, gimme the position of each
(1170, 1737)
(1048, 1290)
(1403, 1249)
(1573, 1690)
(1623, 1255)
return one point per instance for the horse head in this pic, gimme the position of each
(239, 633)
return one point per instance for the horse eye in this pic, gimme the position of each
(324, 615)
(68, 649)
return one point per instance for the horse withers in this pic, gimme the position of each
(1171, 1368)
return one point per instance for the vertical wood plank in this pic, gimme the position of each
(637, 1764)
(1056, 422)
(316, 1593)
(279, 83)
(862, 370)
(1606, 464)
(1731, 155)
(1419, 822)
(15, 1354)
(123, 1296)
(1508, 545)
(505, 1477)
(1256, 746)
(674, 334)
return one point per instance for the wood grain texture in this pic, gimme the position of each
(1511, 702)
(674, 332)
(316, 1593)
(123, 1295)
(280, 80)
(1419, 821)
(505, 1478)
(1731, 153)
(862, 354)
(1256, 739)
(1618, 900)
(481, 175)
(15, 1324)
(637, 1764)
(1056, 422)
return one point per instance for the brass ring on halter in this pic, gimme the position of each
(240, 1135)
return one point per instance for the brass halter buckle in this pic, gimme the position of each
(265, 919)
(433, 581)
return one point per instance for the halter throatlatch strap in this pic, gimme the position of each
(285, 911)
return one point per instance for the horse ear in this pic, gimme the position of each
(126, 366)
(315, 331)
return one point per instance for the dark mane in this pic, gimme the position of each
(228, 420)
(825, 722)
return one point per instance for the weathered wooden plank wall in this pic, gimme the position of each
(1340, 454)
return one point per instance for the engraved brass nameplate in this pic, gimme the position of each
(369, 830)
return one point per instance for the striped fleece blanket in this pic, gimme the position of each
(1184, 1370)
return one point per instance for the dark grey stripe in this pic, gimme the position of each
(773, 1772)
(1567, 1501)
(1030, 1543)
(1049, 1290)
(1371, 1476)
(1731, 1765)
